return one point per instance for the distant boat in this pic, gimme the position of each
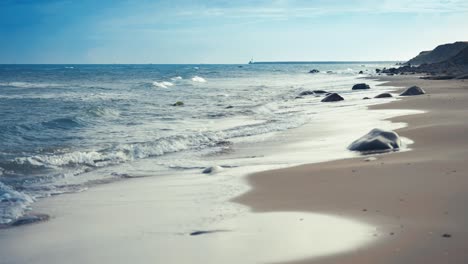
(251, 61)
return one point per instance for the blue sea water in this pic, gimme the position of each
(64, 128)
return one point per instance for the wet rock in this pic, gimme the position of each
(320, 92)
(304, 93)
(384, 95)
(447, 235)
(366, 98)
(229, 107)
(314, 71)
(361, 72)
(213, 169)
(361, 86)
(377, 140)
(178, 103)
(334, 97)
(413, 90)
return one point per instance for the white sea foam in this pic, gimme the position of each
(177, 78)
(30, 84)
(163, 84)
(13, 204)
(198, 79)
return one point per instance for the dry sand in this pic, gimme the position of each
(414, 197)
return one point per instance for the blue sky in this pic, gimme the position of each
(183, 31)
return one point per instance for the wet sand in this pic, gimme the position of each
(417, 199)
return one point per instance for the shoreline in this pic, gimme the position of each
(414, 196)
(164, 212)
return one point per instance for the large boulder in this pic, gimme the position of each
(413, 90)
(334, 97)
(384, 95)
(361, 86)
(377, 140)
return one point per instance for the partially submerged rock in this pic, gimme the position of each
(413, 90)
(377, 140)
(361, 86)
(213, 169)
(366, 98)
(178, 103)
(334, 97)
(306, 93)
(314, 71)
(320, 91)
(384, 95)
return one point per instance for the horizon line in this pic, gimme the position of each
(254, 62)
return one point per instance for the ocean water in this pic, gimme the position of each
(66, 128)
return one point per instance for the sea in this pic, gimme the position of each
(69, 128)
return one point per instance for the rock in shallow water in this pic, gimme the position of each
(413, 90)
(213, 169)
(361, 86)
(377, 140)
(306, 93)
(334, 97)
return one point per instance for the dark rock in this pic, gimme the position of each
(447, 235)
(334, 97)
(320, 92)
(383, 95)
(413, 90)
(229, 107)
(306, 93)
(314, 71)
(377, 140)
(366, 98)
(361, 86)
(378, 70)
(213, 169)
(178, 103)
(204, 232)
(329, 72)
(361, 72)
(439, 77)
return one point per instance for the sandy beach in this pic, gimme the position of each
(416, 198)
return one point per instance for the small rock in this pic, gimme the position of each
(361, 72)
(361, 86)
(213, 169)
(384, 95)
(229, 107)
(447, 235)
(314, 71)
(306, 93)
(178, 103)
(334, 97)
(320, 92)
